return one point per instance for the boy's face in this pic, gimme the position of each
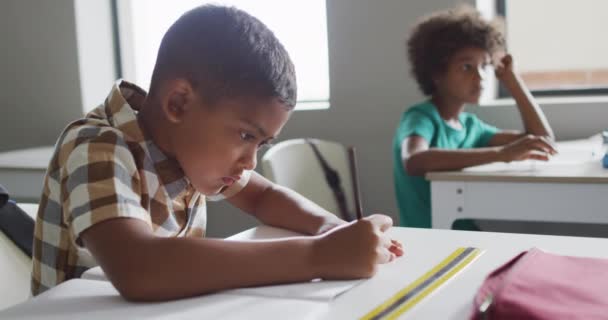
(215, 144)
(462, 80)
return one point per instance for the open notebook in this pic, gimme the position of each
(316, 290)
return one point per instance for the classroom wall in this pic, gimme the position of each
(39, 82)
(370, 87)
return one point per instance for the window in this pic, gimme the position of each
(557, 44)
(300, 25)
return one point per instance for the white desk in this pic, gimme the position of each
(572, 187)
(93, 299)
(22, 172)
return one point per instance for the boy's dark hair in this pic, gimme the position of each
(225, 52)
(437, 37)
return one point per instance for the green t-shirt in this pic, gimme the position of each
(413, 192)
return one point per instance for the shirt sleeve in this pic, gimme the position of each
(101, 182)
(486, 132)
(416, 123)
(235, 188)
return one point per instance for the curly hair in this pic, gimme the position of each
(437, 37)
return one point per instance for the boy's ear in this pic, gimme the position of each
(179, 97)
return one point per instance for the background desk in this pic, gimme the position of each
(92, 299)
(572, 187)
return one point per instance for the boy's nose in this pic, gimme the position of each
(250, 160)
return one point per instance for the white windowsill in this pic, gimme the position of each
(547, 101)
(306, 106)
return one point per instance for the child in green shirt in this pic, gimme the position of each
(450, 51)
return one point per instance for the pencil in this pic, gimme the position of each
(355, 180)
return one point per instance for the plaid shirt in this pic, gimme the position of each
(104, 167)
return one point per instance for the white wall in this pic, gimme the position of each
(370, 88)
(39, 88)
(49, 71)
(558, 34)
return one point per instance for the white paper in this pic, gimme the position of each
(325, 290)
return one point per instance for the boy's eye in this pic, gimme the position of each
(467, 67)
(247, 136)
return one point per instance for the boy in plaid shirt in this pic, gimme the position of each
(127, 185)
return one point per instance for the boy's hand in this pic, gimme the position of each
(504, 67)
(355, 249)
(528, 147)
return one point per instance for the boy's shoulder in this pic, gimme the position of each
(90, 131)
(90, 139)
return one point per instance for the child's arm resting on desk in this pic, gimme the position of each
(144, 267)
(418, 158)
(281, 207)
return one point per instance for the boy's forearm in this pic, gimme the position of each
(444, 160)
(284, 208)
(533, 118)
(166, 268)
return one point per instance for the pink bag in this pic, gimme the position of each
(541, 285)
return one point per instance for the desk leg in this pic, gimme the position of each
(447, 203)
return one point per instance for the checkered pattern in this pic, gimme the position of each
(103, 168)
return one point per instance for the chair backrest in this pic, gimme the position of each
(293, 164)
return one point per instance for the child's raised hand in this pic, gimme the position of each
(354, 250)
(528, 147)
(504, 66)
